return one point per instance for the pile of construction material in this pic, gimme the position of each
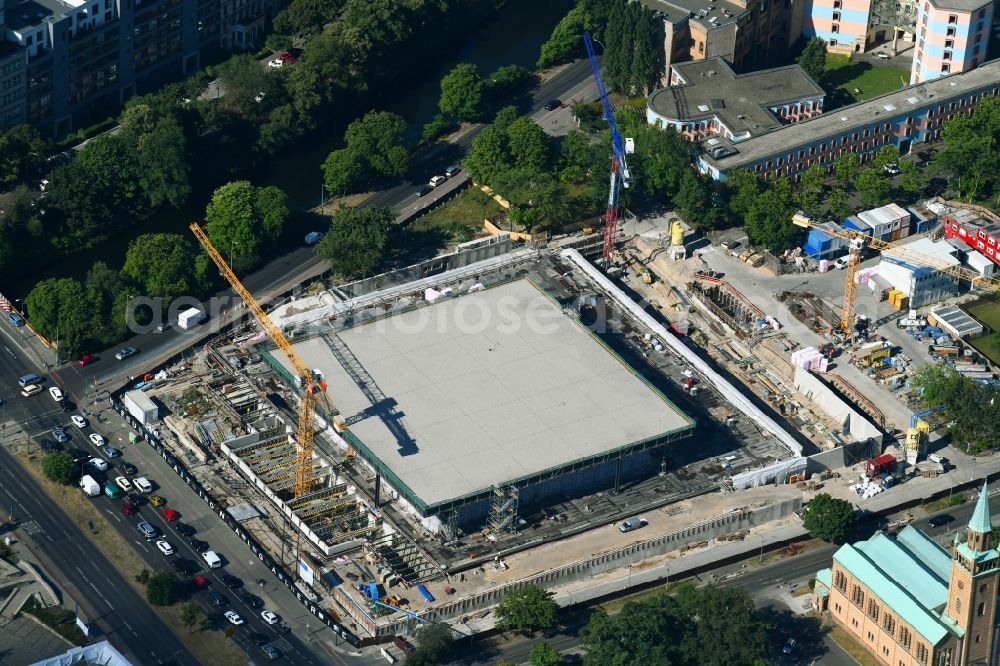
(810, 358)
(866, 488)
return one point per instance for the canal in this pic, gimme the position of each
(513, 37)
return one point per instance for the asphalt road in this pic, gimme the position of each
(68, 555)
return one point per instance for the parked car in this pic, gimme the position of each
(186, 567)
(258, 638)
(275, 63)
(147, 530)
(287, 57)
(231, 581)
(78, 455)
(56, 393)
(252, 600)
(128, 508)
(123, 483)
(111, 452)
(16, 320)
(425, 190)
(437, 180)
(452, 171)
(938, 521)
(49, 446)
(891, 169)
(270, 617)
(142, 484)
(60, 435)
(97, 439)
(217, 599)
(313, 237)
(30, 390)
(128, 468)
(841, 263)
(199, 545)
(552, 104)
(789, 646)
(632, 523)
(86, 359)
(156, 500)
(125, 353)
(271, 651)
(78, 421)
(99, 464)
(184, 529)
(233, 617)
(170, 515)
(165, 547)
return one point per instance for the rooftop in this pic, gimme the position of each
(712, 14)
(486, 388)
(896, 103)
(30, 13)
(941, 250)
(957, 319)
(960, 5)
(741, 101)
(909, 573)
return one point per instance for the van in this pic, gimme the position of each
(143, 484)
(30, 390)
(935, 458)
(145, 529)
(212, 559)
(112, 490)
(28, 379)
(632, 523)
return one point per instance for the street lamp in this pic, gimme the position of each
(629, 576)
(322, 195)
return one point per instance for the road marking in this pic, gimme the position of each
(12, 354)
(79, 569)
(114, 515)
(91, 583)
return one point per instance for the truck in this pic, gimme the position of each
(90, 486)
(141, 407)
(189, 318)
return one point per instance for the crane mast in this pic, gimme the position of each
(620, 174)
(314, 391)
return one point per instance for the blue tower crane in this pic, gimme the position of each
(620, 174)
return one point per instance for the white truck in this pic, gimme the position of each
(90, 487)
(141, 407)
(189, 318)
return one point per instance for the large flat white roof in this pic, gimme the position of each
(491, 387)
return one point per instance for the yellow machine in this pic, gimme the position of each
(676, 233)
(859, 240)
(314, 390)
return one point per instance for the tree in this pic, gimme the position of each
(436, 127)
(847, 167)
(59, 468)
(462, 92)
(528, 144)
(887, 155)
(240, 219)
(911, 177)
(970, 150)
(543, 654)
(488, 155)
(244, 80)
(873, 187)
(694, 202)
(190, 615)
(342, 171)
(812, 60)
(303, 18)
(837, 202)
(723, 627)
(163, 167)
(768, 221)
(165, 265)
(809, 193)
(527, 609)
(434, 643)
(971, 409)
(162, 588)
(58, 309)
(378, 138)
(828, 518)
(22, 151)
(566, 42)
(508, 81)
(356, 242)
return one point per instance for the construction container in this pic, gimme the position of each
(883, 464)
(756, 260)
(141, 407)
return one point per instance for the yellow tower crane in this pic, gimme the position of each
(858, 240)
(314, 390)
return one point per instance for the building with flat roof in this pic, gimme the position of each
(974, 229)
(495, 389)
(910, 602)
(749, 35)
(953, 37)
(958, 323)
(706, 98)
(912, 114)
(923, 285)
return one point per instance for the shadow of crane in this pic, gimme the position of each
(381, 406)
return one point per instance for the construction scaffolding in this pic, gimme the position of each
(503, 509)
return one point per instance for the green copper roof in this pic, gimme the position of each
(980, 521)
(977, 555)
(824, 581)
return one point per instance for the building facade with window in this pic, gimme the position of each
(974, 230)
(842, 24)
(80, 60)
(904, 117)
(952, 36)
(910, 602)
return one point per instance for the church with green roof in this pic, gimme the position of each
(911, 602)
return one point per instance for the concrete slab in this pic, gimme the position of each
(491, 386)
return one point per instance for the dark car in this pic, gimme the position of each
(258, 638)
(452, 171)
(253, 601)
(16, 320)
(232, 582)
(938, 521)
(216, 598)
(68, 406)
(199, 545)
(184, 529)
(184, 566)
(79, 455)
(137, 499)
(128, 468)
(49, 446)
(552, 104)
(426, 189)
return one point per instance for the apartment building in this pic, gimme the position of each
(80, 60)
(842, 24)
(910, 602)
(707, 99)
(748, 34)
(904, 117)
(953, 36)
(973, 229)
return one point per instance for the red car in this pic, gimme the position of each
(199, 582)
(128, 508)
(286, 57)
(170, 515)
(86, 359)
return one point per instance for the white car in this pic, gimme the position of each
(276, 63)
(260, 97)
(78, 421)
(97, 439)
(270, 617)
(234, 618)
(100, 464)
(436, 180)
(142, 484)
(123, 483)
(165, 547)
(841, 263)
(31, 389)
(56, 393)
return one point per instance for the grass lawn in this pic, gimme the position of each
(458, 220)
(842, 76)
(851, 646)
(986, 310)
(943, 503)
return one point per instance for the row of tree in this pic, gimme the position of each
(241, 221)
(628, 32)
(970, 408)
